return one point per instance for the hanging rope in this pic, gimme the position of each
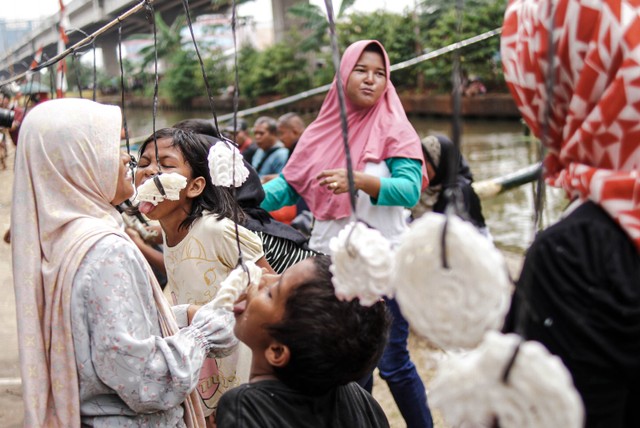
(185, 3)
(233, 145)
(132, 160)
(236, 95)
(75, 62)
(152, 18)
(343, 105)
(76, 54)
(452, 193)
(549, 84)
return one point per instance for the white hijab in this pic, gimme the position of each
(66, 173)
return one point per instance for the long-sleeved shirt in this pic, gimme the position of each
(129, 374)
(400, 185)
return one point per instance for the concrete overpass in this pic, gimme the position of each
(90, 15)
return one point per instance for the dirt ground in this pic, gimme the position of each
(424, 357)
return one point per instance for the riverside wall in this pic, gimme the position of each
(496, 106)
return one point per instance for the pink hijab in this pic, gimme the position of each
(594, 140)
(375, 134)
(66, 173)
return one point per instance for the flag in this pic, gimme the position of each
(61, 69)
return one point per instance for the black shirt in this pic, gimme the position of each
(271, 403)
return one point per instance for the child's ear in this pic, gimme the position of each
(195, 187)
(277, 354)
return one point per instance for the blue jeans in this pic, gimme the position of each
(397, 369)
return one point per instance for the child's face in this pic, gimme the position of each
(171, 160)
(265, 304)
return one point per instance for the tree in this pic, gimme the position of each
(479, 59)
(314, 19)
(278, 70)
(168, 40)
(183, 80)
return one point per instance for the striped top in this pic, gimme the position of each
(283, 253)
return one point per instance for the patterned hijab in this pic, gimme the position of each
(593, 137)
(66, 172)
(375, 134)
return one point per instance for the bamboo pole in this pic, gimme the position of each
(82, 43)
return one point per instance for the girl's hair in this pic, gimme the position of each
(195, 149)
(332, 342)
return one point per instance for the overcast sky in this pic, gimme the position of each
(261, 9)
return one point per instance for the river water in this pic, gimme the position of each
(492, 148)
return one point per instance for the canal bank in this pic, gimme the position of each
(487, 106)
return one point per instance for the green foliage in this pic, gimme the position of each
(478, 59)
(168, 40)
(183, 80)
(278, 70)
(79, 74)
(219, 74)
(314, 23)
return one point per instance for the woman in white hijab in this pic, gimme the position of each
(98, 343)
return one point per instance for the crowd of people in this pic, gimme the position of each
(104, 343)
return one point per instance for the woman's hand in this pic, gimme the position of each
(336, 180)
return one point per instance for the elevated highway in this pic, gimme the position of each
(90, 15)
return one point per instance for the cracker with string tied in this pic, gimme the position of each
(509, 383)
(235, 284)
(361, 264)
(226, 165)
(452, 284)
(160, 187)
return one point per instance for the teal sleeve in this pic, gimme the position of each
(404, 186)
(277, 194)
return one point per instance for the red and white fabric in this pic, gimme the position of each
(593, 126)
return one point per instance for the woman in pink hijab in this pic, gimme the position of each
(579, 290)
(99, 345)
(389, 174)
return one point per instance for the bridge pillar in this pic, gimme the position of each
(282, 22)
(109, 45)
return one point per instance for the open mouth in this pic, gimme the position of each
(240, 305)
(146, 207)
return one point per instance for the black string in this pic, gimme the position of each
(443, 243)
(505, 375)
(454, 199)
(122, 92)
(52, 80)
(232, 145)
(236, 94)
(95, 70)
(185, 3)
(75, 55)
(151, 16)
(549, 84)
(74, 58)
(343, 106)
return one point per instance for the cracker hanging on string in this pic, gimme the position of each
(453, 306)
(235, 284)
(361, 264)
(472, 390)
(160, 187)
(226, 165)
